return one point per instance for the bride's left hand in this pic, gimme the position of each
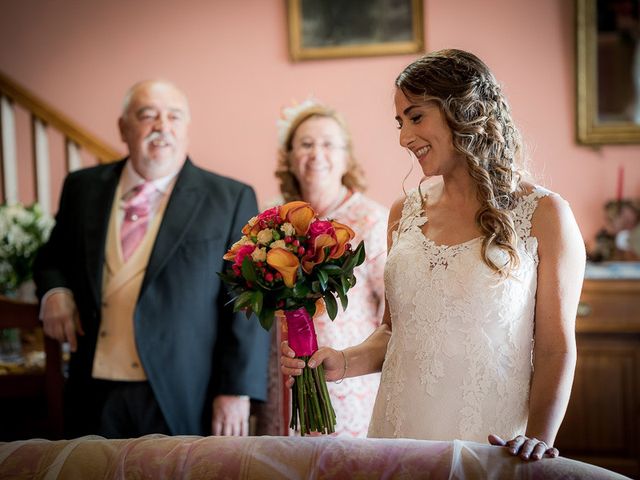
(525, 447)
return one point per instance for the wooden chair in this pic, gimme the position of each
(48, 384)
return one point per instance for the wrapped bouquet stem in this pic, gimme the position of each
(310, 401)
(289, 260)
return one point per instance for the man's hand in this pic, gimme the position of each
(231, 415)
(60, 318)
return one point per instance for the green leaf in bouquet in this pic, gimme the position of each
(341, 285)
(360, 253)
(243, 300)
(350, 263)
(256, 301)
(331, 304)
(315, 286)
(322, 278)
(348, 281)
(300, 290)
(248, 270)
(341, 290)
(226, 277)
(331, 269)
(266, 317)
(286, 292)
(344, 300)
(310, 306)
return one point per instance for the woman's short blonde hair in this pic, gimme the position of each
(353, 178)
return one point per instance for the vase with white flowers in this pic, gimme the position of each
(23, 230)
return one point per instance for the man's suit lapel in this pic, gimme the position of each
(180, 213)
(100, 201)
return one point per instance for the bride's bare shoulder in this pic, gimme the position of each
(395, 212)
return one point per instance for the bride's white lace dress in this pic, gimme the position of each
(459, 361)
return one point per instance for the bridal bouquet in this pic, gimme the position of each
(289, 260)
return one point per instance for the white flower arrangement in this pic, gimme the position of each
(23, 230)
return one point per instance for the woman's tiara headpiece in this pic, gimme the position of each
(289, 115)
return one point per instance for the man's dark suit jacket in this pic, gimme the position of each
(190, 343)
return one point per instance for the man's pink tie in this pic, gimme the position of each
(137, 209)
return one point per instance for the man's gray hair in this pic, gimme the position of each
(126, 103)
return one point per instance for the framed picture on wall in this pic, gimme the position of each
(354, 28)
(608, 71)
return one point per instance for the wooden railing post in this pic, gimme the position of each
(40, 142)
(9, 151)
(44, 118)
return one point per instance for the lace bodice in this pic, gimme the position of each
(458, 364)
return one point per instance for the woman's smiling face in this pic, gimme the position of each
(424, 131)
(318, 154)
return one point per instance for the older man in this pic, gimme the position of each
(128, 278)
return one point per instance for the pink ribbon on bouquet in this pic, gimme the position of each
(301, 332)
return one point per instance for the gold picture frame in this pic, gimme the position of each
(608, 83)
(321, 29)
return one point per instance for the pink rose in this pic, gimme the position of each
(321, 235)
(269, 218)
(320, 227)
(242, 252)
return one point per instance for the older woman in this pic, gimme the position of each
(316, 164)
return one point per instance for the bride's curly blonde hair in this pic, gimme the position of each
(479, 117)
(353, 178)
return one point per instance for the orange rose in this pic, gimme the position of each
(343, 236)
(299, 214)
(284, 262)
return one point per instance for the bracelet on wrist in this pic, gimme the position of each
(344, 372)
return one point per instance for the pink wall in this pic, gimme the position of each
(231, 59)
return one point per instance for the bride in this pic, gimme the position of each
(482, 280)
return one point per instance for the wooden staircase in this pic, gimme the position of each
(43, 118)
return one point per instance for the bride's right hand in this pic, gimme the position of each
(333, 361)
